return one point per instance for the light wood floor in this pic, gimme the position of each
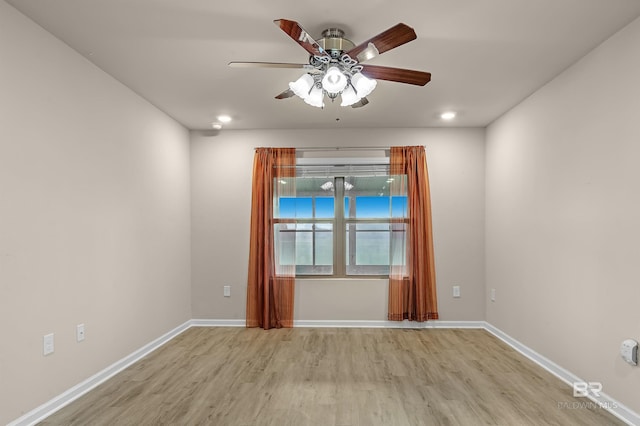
(304, 376)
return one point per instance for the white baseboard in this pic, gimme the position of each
(218, 323)
(48, 408)
(38, 414)
(605, 401)
(387, 324)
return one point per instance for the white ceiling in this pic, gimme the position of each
(485, 56)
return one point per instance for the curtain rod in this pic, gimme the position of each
(342, 148)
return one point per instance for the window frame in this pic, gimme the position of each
(340, 231)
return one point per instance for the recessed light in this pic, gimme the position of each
(216, 126)
(449, 115)
(224, 118)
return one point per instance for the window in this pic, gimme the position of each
(339, 225)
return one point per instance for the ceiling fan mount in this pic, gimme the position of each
(334, 43)
(335, 65)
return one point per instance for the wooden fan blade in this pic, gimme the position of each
(385, 41)
(286, 94)
(419, 78)
(268, 65)
(300, 36)
(362, 102)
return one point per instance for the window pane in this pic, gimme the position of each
(399, 206)
(372, 207)
(367, 248)
(324, 244)
(285, 245)
(303, 198)
(294, 207)
(324, 207)
(304, 244)
(308, 246)
(398, 250)
(370, 197)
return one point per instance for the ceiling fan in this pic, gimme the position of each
(335, 65)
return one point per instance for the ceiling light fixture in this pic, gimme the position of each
(302, 86)
(363, 85)
(349, 96)
(224, 118)
(333, 76)
(334, 81)
(449, 115)
(216, 126)
(334, 68)
(315, 97)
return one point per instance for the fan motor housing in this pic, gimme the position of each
(334, 43)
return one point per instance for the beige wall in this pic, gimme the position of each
(563, 210)
(98, 198)
(221, 197)
(94, 217)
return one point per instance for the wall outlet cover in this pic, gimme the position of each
(456, 291)
(80, 332)
(47, 344)
(629, 351)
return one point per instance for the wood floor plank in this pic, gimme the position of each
(347, 377)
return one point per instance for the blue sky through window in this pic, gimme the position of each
(372, 207)
(399, 206)
(378, 206)
(366, 207)
(324, 207)
(302, 207)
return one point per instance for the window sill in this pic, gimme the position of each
(347, 278)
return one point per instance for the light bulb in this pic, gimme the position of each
(334, 81)
(363, 85)
(302, 86)
(315, 98)
(349, 97)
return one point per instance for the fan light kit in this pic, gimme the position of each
(335, 68)
(449, 115)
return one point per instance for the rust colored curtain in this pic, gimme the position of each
(269, 292)
(412, 277)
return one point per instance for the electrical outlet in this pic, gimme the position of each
(629, 351)
(47, 344)
(493, 294)
(456, 291)
(227, 291)
(79, 332)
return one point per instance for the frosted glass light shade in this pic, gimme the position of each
(364, 86)
(302, 86)
(334, 81)
(315, 98)
(349, 97)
